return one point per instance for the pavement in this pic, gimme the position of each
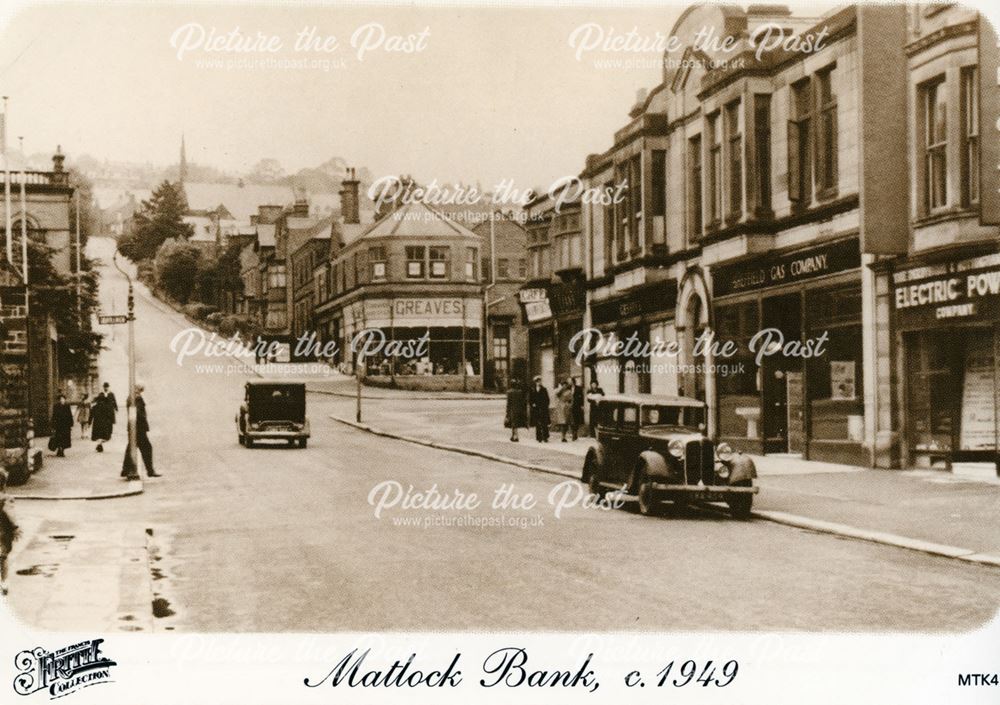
(927, 510)
(82, 473)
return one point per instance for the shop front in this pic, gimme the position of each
(418, 342)
(638, 326)
(948, 342)
(553, 313)
(793, 383)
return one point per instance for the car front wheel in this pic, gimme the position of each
(592, 476)
(649, 504)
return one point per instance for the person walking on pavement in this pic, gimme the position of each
(83, 415)
(102, 414)
(9, 531)
(593, 396)
(576, 418)
(515, 408)
(564, 407)
(129, 471)
(540, 411)
(62, 427)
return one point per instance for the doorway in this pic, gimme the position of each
(782, 398)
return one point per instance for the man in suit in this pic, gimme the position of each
(540, 411)
(129, 471)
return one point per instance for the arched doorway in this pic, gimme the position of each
(696, 378)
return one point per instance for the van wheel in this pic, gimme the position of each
(591, 475)
(249, 442)
(302, 442)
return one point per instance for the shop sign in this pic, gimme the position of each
(650, 299)
(989, 121)
(533, 295)
(537, 310)
(959, 294)
(427, 308)
(536, 303)
(763, 272)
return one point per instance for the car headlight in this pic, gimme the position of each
(724, 452)
(676, 449)
(722, 470)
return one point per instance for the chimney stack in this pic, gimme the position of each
(349, 199)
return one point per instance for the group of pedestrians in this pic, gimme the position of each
(536, 408)
(100, 416)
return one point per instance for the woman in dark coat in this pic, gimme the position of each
(103, 420)
(516, 409)
(539, 398)
(62, 426)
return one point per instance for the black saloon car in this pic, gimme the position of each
(654, 449)
(273, 411)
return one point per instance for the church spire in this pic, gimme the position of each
(183, 169)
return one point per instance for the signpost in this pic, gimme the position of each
(112, 320)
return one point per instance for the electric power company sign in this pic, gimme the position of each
(963, 293)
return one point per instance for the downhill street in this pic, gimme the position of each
(282, 539)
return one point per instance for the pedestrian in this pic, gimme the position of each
(9, 531)
(540, 411)
(113, 403)
(62, 427)
(516, 413)
(129, 470)
(102, 415)
(564, 407)
(594, 393)
(577, 415)
(83, 415)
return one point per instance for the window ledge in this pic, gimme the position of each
(945, 214)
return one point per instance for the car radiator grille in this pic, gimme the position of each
(699, 462)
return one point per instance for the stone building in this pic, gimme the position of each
(751, 189)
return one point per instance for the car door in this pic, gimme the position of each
(630, 443)
(610, 438)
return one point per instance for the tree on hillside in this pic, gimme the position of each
(177, 264)
(158, 220)
(266, 171)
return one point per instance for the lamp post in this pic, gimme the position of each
(131, 465)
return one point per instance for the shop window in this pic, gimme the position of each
(799, 152)
(736, 377)
(970, 136)
(935, 143)
(439, 262)
(932, 362)
(734, 141)
(714, 133)
(762, 149)
(694, 187)
(826, 134)
(415, 262)
(377, 260)
(834, 379)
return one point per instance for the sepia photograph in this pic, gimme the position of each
(493, 352)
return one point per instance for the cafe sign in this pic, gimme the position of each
(959, 294)
(536, 304)
(762, 272)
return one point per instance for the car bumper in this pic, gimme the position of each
(704, 493)
(275, 435)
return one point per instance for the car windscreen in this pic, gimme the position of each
(692, 417)
(277, 403)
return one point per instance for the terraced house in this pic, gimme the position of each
(758, 188)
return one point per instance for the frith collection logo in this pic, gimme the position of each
(64, 671)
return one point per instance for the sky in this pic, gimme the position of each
(484, 94)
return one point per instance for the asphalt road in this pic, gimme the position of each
(283, 539)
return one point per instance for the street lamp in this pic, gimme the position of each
(131, 466)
